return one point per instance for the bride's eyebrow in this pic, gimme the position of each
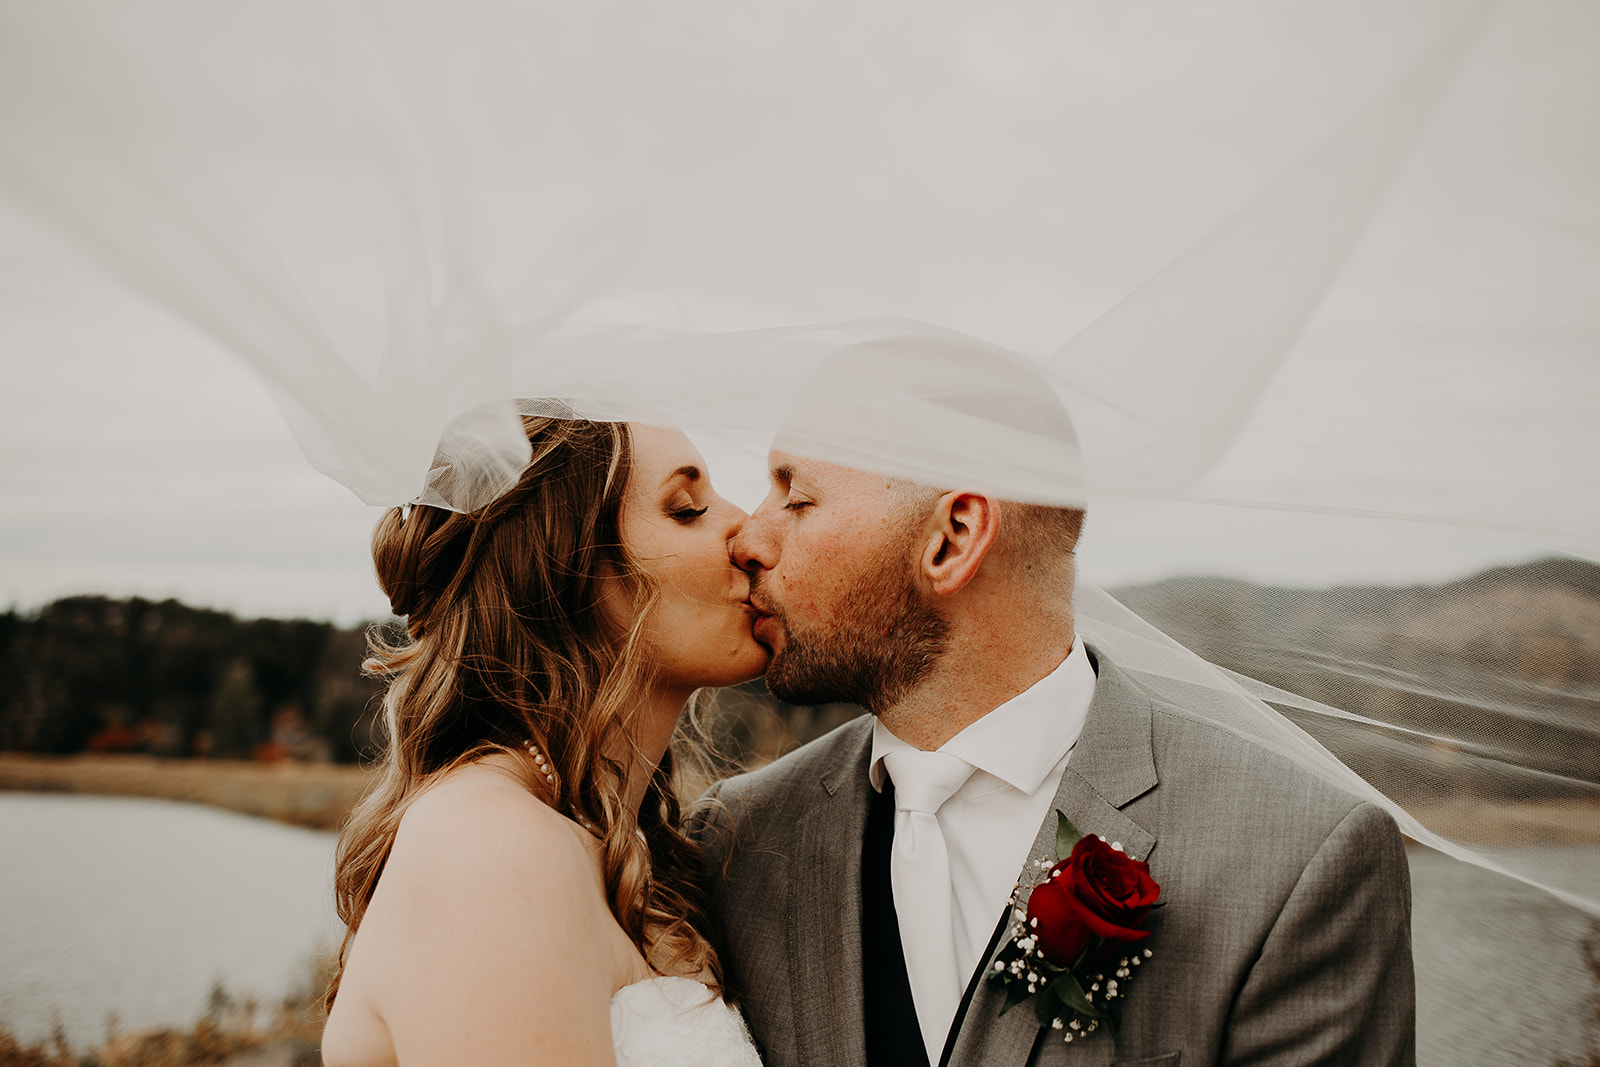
(689, 472)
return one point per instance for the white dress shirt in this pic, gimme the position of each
(1020, 750)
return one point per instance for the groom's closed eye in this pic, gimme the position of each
(783, 482)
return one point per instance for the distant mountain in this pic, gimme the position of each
(1506, 662)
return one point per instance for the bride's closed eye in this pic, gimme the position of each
(687, 515)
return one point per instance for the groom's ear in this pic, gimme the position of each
(961, 531)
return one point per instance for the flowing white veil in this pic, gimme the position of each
(1347, 320)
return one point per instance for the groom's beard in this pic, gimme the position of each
(873, 657)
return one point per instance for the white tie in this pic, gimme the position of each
(919, 873)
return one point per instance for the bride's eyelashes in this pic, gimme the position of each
(686, 515)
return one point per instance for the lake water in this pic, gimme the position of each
(1500, 971)
(139, 906)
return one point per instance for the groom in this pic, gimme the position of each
(859, 884)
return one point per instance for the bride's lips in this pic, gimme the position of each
(762, 618)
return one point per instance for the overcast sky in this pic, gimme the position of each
(1463, 334)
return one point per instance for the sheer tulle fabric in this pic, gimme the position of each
(402, 217)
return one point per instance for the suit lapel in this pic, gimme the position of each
(1111, 765)
(825, 916)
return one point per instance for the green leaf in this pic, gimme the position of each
(1095, 941)
(1069, 992)
(1067, 835)
(1045, 1006)
(1016, 993)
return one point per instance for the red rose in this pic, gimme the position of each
(1095, 892)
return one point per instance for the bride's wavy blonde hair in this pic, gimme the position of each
(506, 642)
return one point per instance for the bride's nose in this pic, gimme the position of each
(735, 520)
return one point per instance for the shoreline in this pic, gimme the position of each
(316, 796)
(1569, 822)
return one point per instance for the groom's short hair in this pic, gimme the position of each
(1036, 531)
(1042, 530)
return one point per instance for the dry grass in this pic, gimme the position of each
(315, 795)
(232, 1033)
(1591, 958)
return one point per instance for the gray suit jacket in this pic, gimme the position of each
(1286, 936)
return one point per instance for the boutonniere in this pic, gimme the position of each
(1073, 942)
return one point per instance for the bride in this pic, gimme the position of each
(517, 884)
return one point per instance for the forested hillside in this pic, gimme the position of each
(96, 674)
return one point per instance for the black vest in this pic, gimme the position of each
(893, 1037)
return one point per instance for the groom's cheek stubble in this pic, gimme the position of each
(879, 637)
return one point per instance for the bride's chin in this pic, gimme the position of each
(742, 665)
(753, 664)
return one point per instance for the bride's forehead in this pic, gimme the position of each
(661, 450)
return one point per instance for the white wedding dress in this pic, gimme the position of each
(678, 1022)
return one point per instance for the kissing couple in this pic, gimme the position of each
(1021, 855)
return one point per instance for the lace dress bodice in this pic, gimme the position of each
(677, 1022)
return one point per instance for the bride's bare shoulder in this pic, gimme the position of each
(479, 790)
(482, 874)
(477, 823)
(488, 933)
(478, 857)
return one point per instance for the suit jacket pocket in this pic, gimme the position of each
(1169, 1060)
